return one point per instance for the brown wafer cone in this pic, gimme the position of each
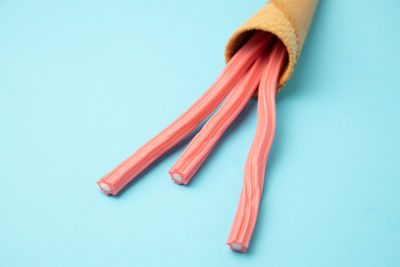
(289, 20)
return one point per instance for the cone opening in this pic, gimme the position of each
(240, 39)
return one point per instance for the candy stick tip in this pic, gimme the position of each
(105, 187)
(238, 247)
(177, 178)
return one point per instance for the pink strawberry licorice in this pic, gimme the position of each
(204, 141)
(258, 63)
(122, 174)
(253, 178)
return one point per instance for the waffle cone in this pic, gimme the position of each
(289, 20)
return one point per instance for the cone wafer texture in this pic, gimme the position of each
(289, 20)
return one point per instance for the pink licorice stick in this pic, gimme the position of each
(122, 174)
(253, 178)
(204, 141)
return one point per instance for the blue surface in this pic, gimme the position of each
(85, 83)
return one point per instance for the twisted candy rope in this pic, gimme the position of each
(257, 64)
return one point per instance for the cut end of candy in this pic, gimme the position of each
(236, 246)
(177, 178)
(105, 187)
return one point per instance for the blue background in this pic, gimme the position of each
(85, 83)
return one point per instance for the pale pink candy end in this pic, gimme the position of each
(178, 178)
(236, 246)
(105, 187)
